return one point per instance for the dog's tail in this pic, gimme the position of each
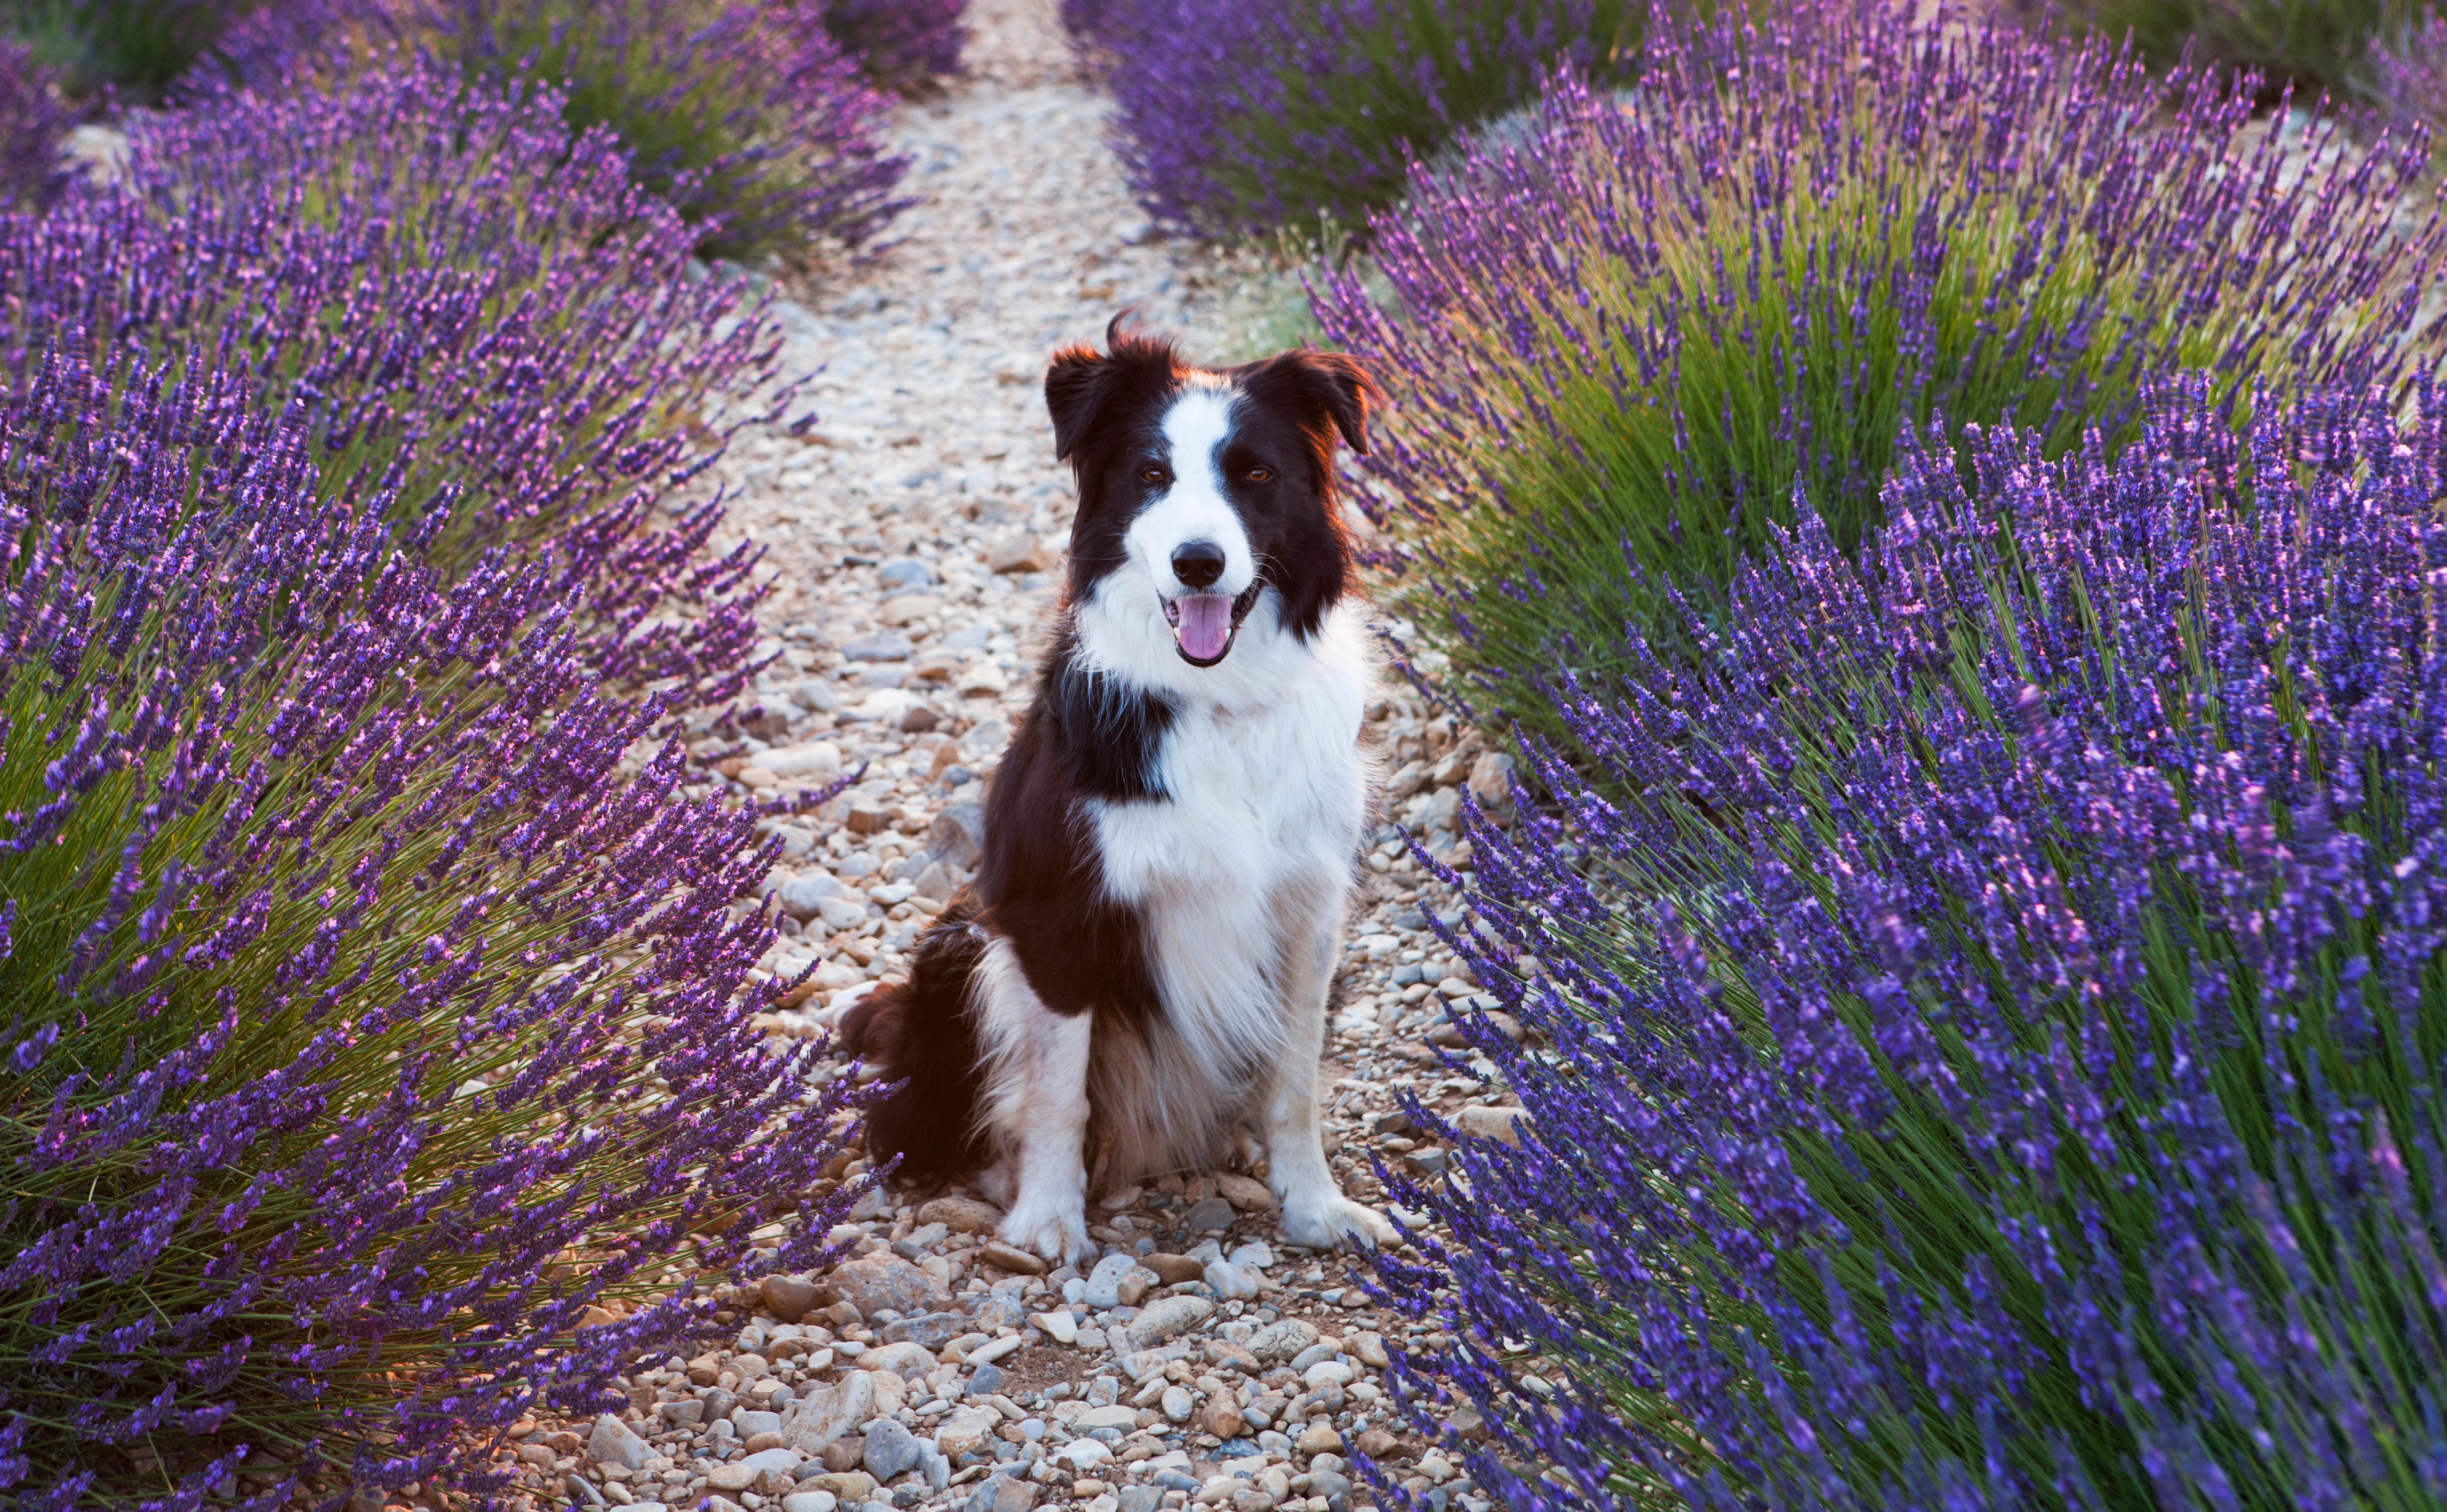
(923, 1036)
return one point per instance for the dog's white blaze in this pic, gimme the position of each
(1196, 506)
(1036, 1104)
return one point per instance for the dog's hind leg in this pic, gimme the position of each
(1316, 1213)
(1036, 1106)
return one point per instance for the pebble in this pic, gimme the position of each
(1168, 1318)
(891, 1450)
(1061, 1326)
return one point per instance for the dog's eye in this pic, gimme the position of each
(1259, 475)
(1151, 475)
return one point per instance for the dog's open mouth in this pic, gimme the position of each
(1204, 624)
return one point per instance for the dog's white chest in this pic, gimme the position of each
(1258, 801)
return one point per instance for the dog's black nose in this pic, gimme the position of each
(1198, 564)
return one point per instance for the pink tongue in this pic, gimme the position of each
(1205, 625)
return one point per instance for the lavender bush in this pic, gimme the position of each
(902, 45)
(370, 1015)
(140, 50)
(1996, 1038)
(750, 118)
(482, 328)
(374, 1001)
(1621, 341)
(1241, 118)
(2313, 45)
(33, 121)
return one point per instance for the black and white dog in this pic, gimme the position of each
(1137, 980)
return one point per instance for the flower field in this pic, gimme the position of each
(1904, 964)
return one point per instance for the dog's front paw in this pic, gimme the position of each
(1060, 1233)
(1326, 1223)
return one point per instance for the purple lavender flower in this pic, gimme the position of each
(1994, 993)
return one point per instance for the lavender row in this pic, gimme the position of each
(373, 1000)
(1995, 1003)
(1632, 339)
(1245, 119)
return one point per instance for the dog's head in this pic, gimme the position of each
(1202, 489)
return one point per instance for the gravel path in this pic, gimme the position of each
(915, 531)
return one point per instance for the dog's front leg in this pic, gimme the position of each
(1037, 1100)
(1316, 1213)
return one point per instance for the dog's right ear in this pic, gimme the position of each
(1082, 381)
(1076, 388)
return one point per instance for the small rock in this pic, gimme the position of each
(811, 1501)
(1017, 552)
(958, 836)
(1326, 1372)
(614, 1443)
(1102, 1288)
(1281, 1341)
(1139, 1498)
(1322, 1351)
(1011, 1494)
(1010, 1258)
(1327, 1483)
(891, 1450)
(1379, 1444)
(1174, 1269)
(1084, 1454)
(827, 1412)
(1136, 1284)
(881, 1281)
(1178, 1404)
(850, 1486)
(821, 759)
(907, 1360)
(1491, 782)
(1210, 1216)
(787, 1297)
(1246, 1192)
(740, 1475)
(967, 1431)
(981, 680)
(1061, 1326)
(880, 649)
(906, 571)
(933, 1329)
(1318, 1438)
(1221, 1418)
(985, 1380)
(685, 1413)
(961, 1215)
(1498, 1124)
(908, 608)
(1162, 1320)
(1253, 1255)
(1230, 1283)
(1369, 1349)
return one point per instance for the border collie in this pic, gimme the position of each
(1137, 980)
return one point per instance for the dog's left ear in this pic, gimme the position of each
(1328, 383)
